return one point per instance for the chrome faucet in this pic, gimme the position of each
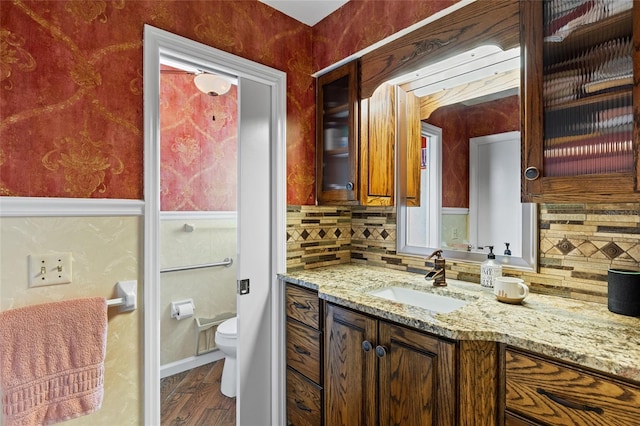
(437, 275)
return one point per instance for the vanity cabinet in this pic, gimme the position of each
(337, 139)
(377, 372)
(304, 345)
(581, 92)
(540, 391)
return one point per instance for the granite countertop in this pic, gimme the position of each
(584, 333)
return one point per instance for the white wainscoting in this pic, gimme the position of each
(68, 207)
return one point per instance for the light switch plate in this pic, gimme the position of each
(49, 269)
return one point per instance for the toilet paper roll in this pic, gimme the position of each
(185, 311)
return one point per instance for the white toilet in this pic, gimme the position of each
(227, 341)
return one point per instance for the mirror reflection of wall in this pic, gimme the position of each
(495, 210)
(424, 221)
(460, 123)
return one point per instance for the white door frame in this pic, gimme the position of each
(161, 44)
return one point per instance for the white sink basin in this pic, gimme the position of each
(433, 302)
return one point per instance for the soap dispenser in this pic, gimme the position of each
(507, 251)
(489, 270)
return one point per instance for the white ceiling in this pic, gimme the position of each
(308, 12)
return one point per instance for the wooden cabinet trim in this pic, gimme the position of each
(531, 85)
(478, 375)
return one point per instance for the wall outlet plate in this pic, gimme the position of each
(49, 269)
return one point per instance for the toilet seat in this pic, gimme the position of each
(228, 329)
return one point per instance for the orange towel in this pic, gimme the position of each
(52, 361)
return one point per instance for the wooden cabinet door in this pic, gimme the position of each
(417, 382)
(377, 147)
(350, 370)
(409, 146)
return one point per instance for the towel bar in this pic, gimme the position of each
(127, 290)
(116, 302)
(226, 262)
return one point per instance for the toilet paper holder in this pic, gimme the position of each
(179, 306)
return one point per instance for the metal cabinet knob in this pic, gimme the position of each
(381, 351)
(532, 173)
(350, 186)
(366, 345)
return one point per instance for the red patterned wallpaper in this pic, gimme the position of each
(360, 23)
(71, 102)
(71, 82)
(198, 146)
(460, 123)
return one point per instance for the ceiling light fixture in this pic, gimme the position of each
(212, 84)
(474, 65)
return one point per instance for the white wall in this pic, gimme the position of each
(213, 290)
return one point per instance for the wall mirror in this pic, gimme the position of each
(472, 199)
(465, 69)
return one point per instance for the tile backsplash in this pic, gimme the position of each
(578, 243)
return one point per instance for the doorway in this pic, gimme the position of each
(261, 237)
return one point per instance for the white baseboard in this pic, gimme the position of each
(189, 363)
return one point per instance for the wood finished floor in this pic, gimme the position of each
(193, 398)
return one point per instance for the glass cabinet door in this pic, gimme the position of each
(588, 77)
(337, 141)
(581, 96)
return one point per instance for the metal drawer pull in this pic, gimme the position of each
(301, 350)
(302, 407)
(300, 306)
(569, 404)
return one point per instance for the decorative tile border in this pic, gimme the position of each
(317, 236)
(578, 243)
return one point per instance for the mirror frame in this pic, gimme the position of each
(498, 22)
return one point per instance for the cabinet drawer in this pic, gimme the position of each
(553, 393)
(303, 305)
(303, 350)
(511, 419)
(304, 401)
